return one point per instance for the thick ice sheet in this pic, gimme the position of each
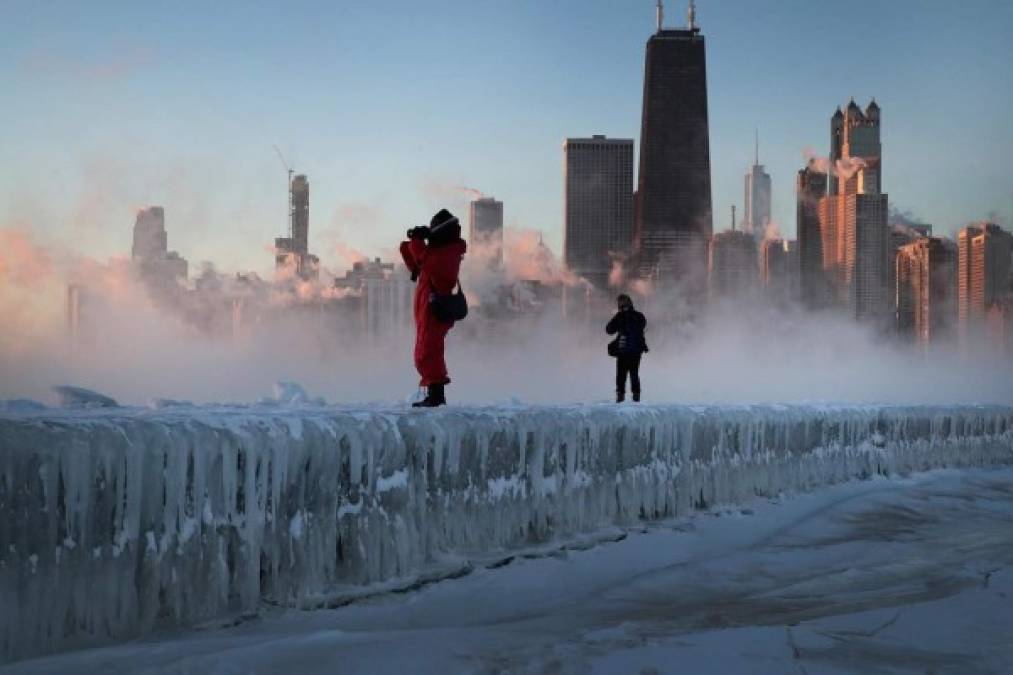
(116, 522)
(886, 575)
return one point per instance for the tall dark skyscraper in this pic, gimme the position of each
(674, 221)
(810, 188)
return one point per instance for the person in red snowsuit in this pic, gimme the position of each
(433, 256)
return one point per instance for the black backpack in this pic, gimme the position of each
(449, 308)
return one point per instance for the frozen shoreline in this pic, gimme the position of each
(119, 521)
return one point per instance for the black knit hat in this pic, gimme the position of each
(442, 218)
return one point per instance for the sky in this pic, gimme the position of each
(391, 107)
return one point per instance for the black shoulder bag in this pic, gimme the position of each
(449, 308)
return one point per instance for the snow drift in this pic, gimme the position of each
(115, 522)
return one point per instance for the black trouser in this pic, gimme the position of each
(628, 363)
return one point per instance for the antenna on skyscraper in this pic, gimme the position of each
(733, 217)
(289, 169)
(692, 16)
(756, 156)
(661, 14)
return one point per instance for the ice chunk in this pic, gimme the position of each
(79, 397)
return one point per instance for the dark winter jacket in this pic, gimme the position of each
(630, 325)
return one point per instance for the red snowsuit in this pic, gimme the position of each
(438, 268)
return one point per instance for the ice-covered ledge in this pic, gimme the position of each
(117, 521)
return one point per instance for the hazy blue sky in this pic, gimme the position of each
(387, 106)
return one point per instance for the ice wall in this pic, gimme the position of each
(115, 522)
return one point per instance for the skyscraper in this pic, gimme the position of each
(598, 211)
(757, 199)
(926, 290)
(292, 252)
(300, 214)
(983, 276)
(810, 188)
(151, 246)
(674, 221)
(902, 235)
(150, 238)
(866, 255)
(855, 134)
(853, 217)
(485, 228)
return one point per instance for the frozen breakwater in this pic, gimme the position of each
(118, 521)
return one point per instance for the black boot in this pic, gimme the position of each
(620, 396)
(636, 397)
(435, 396)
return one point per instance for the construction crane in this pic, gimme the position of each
(284, 163)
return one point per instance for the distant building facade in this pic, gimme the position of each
(999, 326)
(779, 270)
(810, 188)
(731, 269)
(598, 211)
(674, 218)
(150, 250)
(385, 297)
(485, 227)
(983, 276)
(926, 272)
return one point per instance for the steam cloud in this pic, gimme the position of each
(135, 350)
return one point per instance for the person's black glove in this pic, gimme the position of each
(420, 232)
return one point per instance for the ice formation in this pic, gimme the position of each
(78, 397)
(118, 521)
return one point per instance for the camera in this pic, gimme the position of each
(420, 232)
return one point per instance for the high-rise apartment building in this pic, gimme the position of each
(983, 276)
(598, 211)
(866, 255)
(926, 290)
(674, 220)
(810, 188)
(485, 228)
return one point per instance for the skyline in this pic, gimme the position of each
(184, 116)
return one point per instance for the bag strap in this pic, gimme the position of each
(460, 289)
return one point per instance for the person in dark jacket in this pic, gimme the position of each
(628, 346)
(433, 257)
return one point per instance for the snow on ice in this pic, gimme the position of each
(118, 521)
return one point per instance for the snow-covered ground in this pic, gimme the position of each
(884, 575)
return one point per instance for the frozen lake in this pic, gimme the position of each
(883, 575)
